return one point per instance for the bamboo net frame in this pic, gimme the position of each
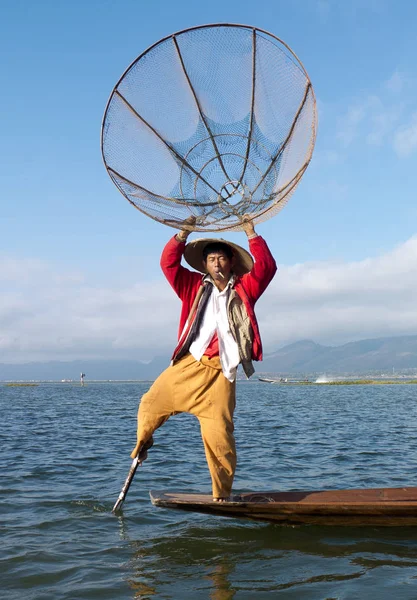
(213, 121)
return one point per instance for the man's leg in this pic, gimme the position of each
(155, 408)
(220, 449)
(176, 390)
(217, 434)
(199, 388)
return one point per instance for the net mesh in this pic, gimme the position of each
(215, 122)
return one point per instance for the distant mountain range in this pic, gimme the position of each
(381, 354)
(304, 357)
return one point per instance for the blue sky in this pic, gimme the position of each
(79, 267)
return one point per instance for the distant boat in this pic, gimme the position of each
(355, 507)
(282, 380)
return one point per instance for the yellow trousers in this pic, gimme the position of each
(199, 388)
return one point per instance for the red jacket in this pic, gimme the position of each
(249, 287)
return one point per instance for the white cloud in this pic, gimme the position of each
(46, 315)
(372, 118)
(13, 269)
(340, 302)
(405, 140)
(41, 319)
(349, 123)
(385, 116)
(396, 82)
(382, 119)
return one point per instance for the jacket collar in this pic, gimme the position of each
(230, 284)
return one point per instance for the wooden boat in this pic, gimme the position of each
(391, 507)
(266, 380)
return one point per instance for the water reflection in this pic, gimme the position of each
(221, 561)
(219, 575)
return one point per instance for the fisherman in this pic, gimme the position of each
(218, 331)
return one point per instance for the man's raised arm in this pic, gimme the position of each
(178, 276)
(265, 266)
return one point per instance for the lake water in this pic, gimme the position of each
(65, 455)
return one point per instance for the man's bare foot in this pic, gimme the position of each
(221, 499)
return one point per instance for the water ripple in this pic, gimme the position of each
(65, 454)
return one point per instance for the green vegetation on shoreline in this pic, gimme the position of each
(277, 382)
(353, 382)
(21, 384)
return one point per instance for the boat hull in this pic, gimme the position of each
(390, 507)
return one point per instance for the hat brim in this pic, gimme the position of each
(193, 254)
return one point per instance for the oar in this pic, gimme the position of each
(136, 462)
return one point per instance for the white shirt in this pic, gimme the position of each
(214, 321)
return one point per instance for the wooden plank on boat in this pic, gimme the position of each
(391, 507)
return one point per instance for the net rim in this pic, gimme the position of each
(261, 216)
(180, 32)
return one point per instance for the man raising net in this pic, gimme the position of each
(218, 331)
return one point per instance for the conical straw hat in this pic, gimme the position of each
(193, 254)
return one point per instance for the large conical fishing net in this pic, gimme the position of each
(214, 121)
